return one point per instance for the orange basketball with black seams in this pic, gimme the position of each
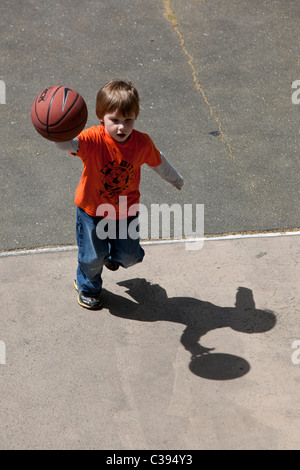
(59, 113)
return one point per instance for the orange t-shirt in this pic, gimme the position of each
(111, 169)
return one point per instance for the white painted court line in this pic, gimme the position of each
(50, 249)
(221, 237)
(62, 249)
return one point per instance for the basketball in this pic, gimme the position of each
(59, 113)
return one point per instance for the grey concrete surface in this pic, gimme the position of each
(192, 350)
(216, 99)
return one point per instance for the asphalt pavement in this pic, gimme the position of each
(198, 347)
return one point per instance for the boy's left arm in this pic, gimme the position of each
(71, 146)
(167, 172)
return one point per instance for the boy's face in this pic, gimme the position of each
(119, 127)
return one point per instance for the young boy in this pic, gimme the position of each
(112, 155)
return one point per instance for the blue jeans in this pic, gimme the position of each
(94, 247)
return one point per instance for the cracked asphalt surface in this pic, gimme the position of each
(215, 83)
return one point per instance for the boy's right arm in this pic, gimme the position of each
(71, 146)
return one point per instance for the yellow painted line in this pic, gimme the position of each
(170, 16)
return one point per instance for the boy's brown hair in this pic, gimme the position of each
(118, 95)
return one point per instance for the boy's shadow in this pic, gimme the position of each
(151, 303)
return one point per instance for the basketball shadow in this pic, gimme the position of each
(151, 303)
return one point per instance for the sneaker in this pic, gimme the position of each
(91, 302)
(112, 265)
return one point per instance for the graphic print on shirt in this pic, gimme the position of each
(116, 178)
